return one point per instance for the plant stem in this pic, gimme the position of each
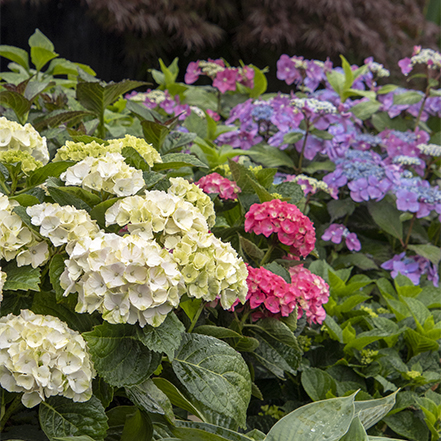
(16, 403)
(196, 317)
(267, 255)
(410, 231)
(299, 168)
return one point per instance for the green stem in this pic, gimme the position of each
(299, 168)
(196, 317)
(410, 231)
(267, 255)
(4, 187)
(11, 409)
(219, 102)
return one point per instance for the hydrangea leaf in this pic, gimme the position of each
(62, 417)
(215, 375)
(137, 427)
(387, 217)
(178, 160)
(24, 278)
(118, 356)
(317, 383)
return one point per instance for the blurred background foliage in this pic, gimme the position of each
(124, 38)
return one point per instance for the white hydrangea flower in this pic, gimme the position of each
(14, 136)
(156, 212)
(41, 357)
(430, 149)
(16, 238)
(196, 196)
(127, 279)
(61, 224)
(316, 106)
(108, 173)
(211, 268)
(2, 283)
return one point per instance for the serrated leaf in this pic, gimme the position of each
(340, 208)
(178, 160)
(164, 338)
(118, 356)
(336, 80)
(61, 118)
(53, 169)
(387, 217)
(292, 137)
(323, 420)
(250, 248)
(66, 196)
(24, 278)
(427, 251)
(150, 398)
(134, 159)
(270, 156)
(372, 411)
(18, 103)
(279, 270)
(408, 98)
(15, 54)
(215, 375)
(290, 190)
(62, 417)
(154, 133)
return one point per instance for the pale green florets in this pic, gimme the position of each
(209, 68)
(127, 279)
(311, 184)
(62, 224)
(370, 311)
(17, 240)
(412, 375)
(211, 269)
(430, 149)
(407, 160)
(316, 106)
(28, 162)
(2, 283)
(42, 357)
(368, 356)
(157, 212)
(192, 193)
(107, 173)
(77, 151)
(14, 136)
(378, 69)
(157, 96)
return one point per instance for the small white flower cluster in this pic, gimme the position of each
(427, 56)
(2, 283)
(62, 224)
(14, 136)
(192, 193)
(199, 112)
(312, 185)
(378, 69)
(42, 357)
(156, 212)
(77, 151)
(430, 149)
(315, 106)
(127, 279)
(209, 68)
(211, 269)
(17, 240)
(108, 173)
(407, 160)
(157, 96)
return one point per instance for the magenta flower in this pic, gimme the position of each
(226, 80)
(193, 72)
(352, 242)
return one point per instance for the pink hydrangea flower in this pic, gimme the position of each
(193, 72)
(292, 227)
(314, 293)
(226, 80)
(215, 183)
(213, 114)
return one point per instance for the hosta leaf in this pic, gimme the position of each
(118, 356)
(164, 338)
(371, 411)
(62, 417)
(356, 432)
(215, 375)
(187, 430)
(326, 420)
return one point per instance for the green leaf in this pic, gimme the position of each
(292, 137)
(54, 120)
(323, 420)
(175, 396)
(18, 103)
(99, 211)
(15, 54)
(290, 190)
(74, 438)
(365, 109)
(196, 124)
(62, 417)
(372, 411)
(56, 268)
(215, 375)
(336, 80)
(382, 121)
(95, 96)
(164, 338)
(178, 160)
(117, 418)
(118, 356)
(24, 278)
(154, 133)
(279, 270)
(53, 169)
(66, 196)
(103, 391)
(250, 248)
(190, 306)
(349, 75)
(386, 89)
(359, 260)
(25, 200)
(408, 98)
(138, 427)
(418, 343)
(317, 383)
(150, 398)
(260, 83)
(427, 251)
(262, 193)
(270, 156)
(40, 56)
(387, 217)
(38, 39)
(134, 159)
(333, 329)
(407, 424)
(196, 431)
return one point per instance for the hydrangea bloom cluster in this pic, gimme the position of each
(310, 185)
(337, 232)
(156, 212)
(41, 357)
(17, 240)
(311, 106)
(211, 269)
(107, 173)
(62, 224)
(376, 68)
(314, 293)
(412, 267)
(428, 57)
(77, 151)
(27, 162)
(127, 279)
(271, 293)
(215, 183)
(292, 227)
(430, 149)
(14, 136)
(224, 77)
(2, 283)
(192, 193)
